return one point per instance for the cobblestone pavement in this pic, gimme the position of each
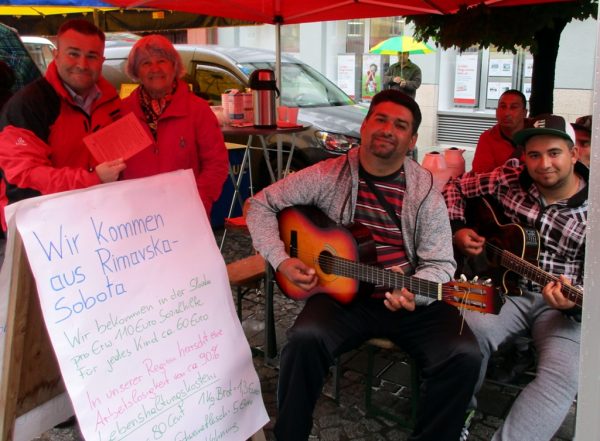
(347, 420)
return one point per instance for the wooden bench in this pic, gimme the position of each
(246, 274)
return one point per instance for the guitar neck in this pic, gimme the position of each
(387, 278)
(534, 273)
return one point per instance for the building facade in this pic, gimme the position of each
(459, 92)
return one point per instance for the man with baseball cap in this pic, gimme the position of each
(583, 135)
(547, 193)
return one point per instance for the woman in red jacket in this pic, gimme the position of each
(186, 133)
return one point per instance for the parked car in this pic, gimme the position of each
(40, 50)
(211, 70)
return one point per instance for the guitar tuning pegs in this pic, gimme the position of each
(488, 282)
(463, 278)
(475, 279)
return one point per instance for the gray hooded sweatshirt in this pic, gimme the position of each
(332, 186)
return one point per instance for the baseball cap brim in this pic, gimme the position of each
(522, 136)
(580, 127)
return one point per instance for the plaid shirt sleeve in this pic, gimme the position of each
(471, 185)
(561, 225)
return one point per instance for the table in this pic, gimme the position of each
(262, 132)
(230, 132)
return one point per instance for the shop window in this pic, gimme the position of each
(505, 71)
(290, 38)
(355, 36)
(384, 28)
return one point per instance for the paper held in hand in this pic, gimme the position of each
(121, 139)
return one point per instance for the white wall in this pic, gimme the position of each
(575, 60)
(588, 401)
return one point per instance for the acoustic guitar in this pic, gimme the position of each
(344, 260)
(512, 250)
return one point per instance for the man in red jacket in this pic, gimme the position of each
(496, 145)
(43, 125)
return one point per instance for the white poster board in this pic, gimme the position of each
(137, 303)
(346, 74)
(465, 79)
(500, 67)
(495, 89)
(528, 70)
(527, 90)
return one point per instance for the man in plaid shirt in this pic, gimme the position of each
(548, 192)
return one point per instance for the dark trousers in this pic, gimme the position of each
(449, 360)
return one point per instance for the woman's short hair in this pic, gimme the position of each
(153, 45)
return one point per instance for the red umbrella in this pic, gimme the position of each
(303, 11)
(280, 12)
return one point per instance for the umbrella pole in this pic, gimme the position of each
(278, 59)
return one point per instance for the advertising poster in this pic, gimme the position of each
(527, 90)
(346, 74)
(495, 89)
(371, 77)
(465, 79)
(135, 296)
(528, 72)
(500, 67)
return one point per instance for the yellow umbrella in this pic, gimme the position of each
(401, 43)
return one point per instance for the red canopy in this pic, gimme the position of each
(302, 11)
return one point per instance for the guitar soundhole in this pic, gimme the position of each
(326, 262)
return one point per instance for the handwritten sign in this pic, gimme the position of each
(137, 303)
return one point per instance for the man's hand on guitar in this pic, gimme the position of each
(468, 242)
(399, 298)
(554, 297)
(299, 273)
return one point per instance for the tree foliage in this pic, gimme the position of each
(533, 27)
(507, 28)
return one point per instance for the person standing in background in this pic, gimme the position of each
(404, 76)
(496, 144)
(185, 131)
(583, 138)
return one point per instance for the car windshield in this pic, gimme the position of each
(303, 86)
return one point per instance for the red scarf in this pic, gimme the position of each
(153, 108)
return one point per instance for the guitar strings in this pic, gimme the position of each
(535, 272)
(332, 264)
(468, 298)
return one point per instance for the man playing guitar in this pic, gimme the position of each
(548, 193)
(411, 231)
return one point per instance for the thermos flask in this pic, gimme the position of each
(264, 92)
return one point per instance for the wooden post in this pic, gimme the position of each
(30, 372)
